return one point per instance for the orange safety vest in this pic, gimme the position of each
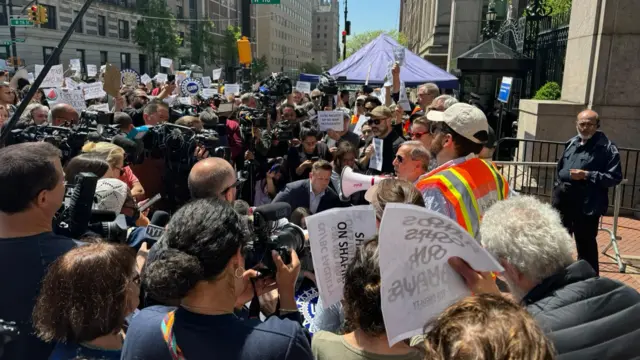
(470, 187)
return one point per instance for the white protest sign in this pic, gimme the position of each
(185, 100)
(376, 160)
(361, 121)
(417, 282)
(94, 91)
(304, 87)
(334, 236)
(102, 107)
(206, 81)
(164, 62)
(54, 77)
(209, 93)
(331, 120)
(215, 74)
(70, 83)
(399, 55)
(231, 89)
(30, 78)
(160, 77)
(145, 79)
(403, 100)
(389, 77)
(75, 98)
(75, 64)
(169, 100)
(92, 70)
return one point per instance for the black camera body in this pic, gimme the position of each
(328, 84)
(276, 86)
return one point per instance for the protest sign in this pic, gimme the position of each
(417, 282)
(206, 81)
(160, 77)
(389, 77)
(31, 78)
(184, 100)
(111, 80)
(70, 83)
(164, 62)
(145, 79)
(102, 107)
(376, 160)
(403, 100)
(54, 78)
(92, 70)
(334, 236)
(169, 100)
(75, 64)
(361, 121)
(71, 97)
(331, 120)
(304, 87)
(399, 55)
(93, 91)
(215, 74)
(208, 93)
(231, 89)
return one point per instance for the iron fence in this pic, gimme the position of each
(551, 49)
(529, 166)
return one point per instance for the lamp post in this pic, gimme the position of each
(489, 31)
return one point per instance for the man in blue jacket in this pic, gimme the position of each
(589, 166)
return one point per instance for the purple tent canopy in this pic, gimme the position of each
(378, 53)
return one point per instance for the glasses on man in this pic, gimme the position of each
(234, 185)
(374, 121)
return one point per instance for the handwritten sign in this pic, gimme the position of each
(102, 107)
(334, 236)
(206, 81)
(376, 160)
(31, 78)
(92, 70)
(231, 89)
(54, 77)
(164, 62)
(70, 83)
(417, 282)
(75, 98)
(389, 77)
(145, 79)
(215, 74)
(209, 93)
(75, 64)
(331, 120)
(399, 55)
(160, 77)
(403, 100)
(304, 87)
(94, 91)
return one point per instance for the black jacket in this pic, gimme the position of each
(390, 146)
(600, 157)
(587, 317)
(298, 193)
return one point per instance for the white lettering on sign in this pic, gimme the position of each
(331, 120)
(54, 77)
(417, 282)
(334, 236)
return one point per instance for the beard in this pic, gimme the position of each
(584, 137)
(516, 292)
(437, 145)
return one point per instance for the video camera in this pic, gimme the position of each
(271, 231)
(329, 87)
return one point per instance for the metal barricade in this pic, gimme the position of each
(523, 170)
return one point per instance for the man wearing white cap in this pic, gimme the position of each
(463, 186)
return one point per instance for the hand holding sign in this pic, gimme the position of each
(417, 281)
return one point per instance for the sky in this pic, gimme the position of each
(366, 15)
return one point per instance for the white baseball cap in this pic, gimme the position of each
(466, 120)
(110, 195)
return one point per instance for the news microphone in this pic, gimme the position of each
(102, 216)
(272, 212)
(159, 220)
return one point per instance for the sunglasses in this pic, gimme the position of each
(374, 121)
(235, 185)
(417, 135)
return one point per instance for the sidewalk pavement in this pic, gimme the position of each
(629, 245)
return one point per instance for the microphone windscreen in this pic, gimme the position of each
(160, 218)
(273, 212)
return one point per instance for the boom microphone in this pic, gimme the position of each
(351, 182)
(272, 212)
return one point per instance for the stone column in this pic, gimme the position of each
(466, 22)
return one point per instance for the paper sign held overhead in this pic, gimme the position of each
(101, 107)
(231, 89)
(304, 87)
(206, 81)
(331, 120)
(75, 64)
(334, 236)
(417, 282)
(376, 160)
(70, 83)
(92, 70)
(399, 55)
(93, 91)
(54, 77)
(209, 93)
(164, 62)
(145, 79)
(215, 74)
(160, 77)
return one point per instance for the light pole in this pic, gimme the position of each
(489, 31)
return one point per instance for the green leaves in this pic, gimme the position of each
(550, 91)
(157, 34)
(311, 68)
(356, 42)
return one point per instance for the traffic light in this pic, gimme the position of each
(344, 36)
(32, 14)
(43, 16)
(348, 28)
(244, 51)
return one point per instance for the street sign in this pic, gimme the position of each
(9, 42)
(265, 2)
(20, 21)
(505, 89)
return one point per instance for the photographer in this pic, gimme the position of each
(300, 158)
(32, 191)
(201, 264)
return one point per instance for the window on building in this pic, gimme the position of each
(325, 36)
(123, 29)
(143, 63)
(80, 26)
(52, 17)
(4, 52)
(104, 57)
(47, 52)
(83, 63)
(102, 25)
(180, 11)
(182, 38)
(125, 61)
(3, 15)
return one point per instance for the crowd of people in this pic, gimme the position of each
(190, 293)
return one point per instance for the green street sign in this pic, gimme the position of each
(265, 2)
(20, 21)
(9, 42)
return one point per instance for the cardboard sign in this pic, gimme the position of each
(92, 70)
(54, 78)
(231, 89)
(376, 160)
(164, 62)
(334, 236)
(93, 91)
(304, 87)
(112, 78)
(417, 282)
(331, 120)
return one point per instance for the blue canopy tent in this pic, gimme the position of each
(309, 78)
(377, 55)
